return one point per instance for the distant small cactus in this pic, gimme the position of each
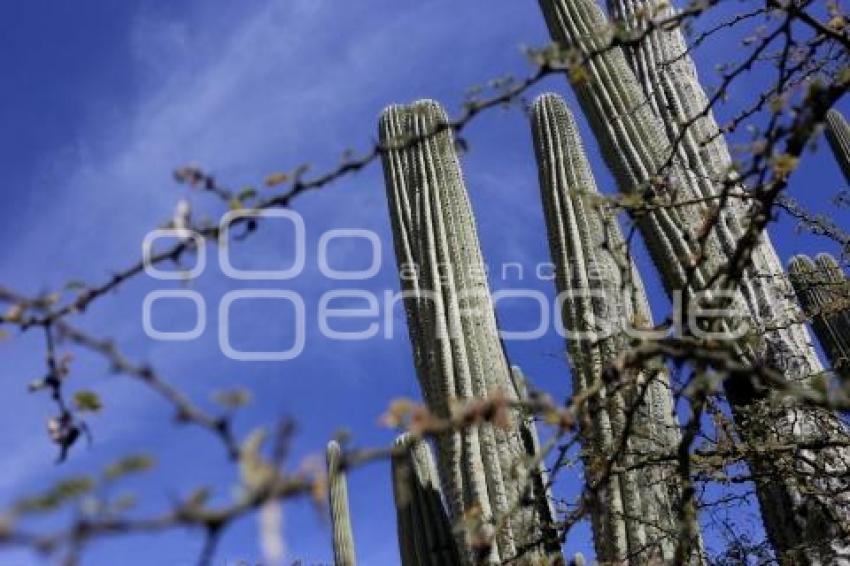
(424, 528)
(824, 293)
(838, 134)
(343, 537)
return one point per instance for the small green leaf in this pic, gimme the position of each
(14, 313)
(52, 499)
(247, 193)
(87, 401)
(124, 502)
(128, 465)
(198, 498)
(276, 179)
(232, 398)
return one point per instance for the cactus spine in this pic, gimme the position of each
(457, 350)
(343, 538)
(635, 145)
(824, 293)
(424, 530)
(633, 512)
(838, 134)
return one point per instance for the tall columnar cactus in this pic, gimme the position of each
(634, 514)
(343, 538)
(838, 134)
(424, 530)
(824, 292)
(457, 350)
(668, 79)
(801, 519)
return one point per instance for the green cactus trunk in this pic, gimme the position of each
(343, 537)
(424, 530)
(634, 511)
(824, 292)
(801, 522)
(539, 479)
(838, 135)
(669, 82)
(457, 350)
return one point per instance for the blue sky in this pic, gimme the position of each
(102, 100)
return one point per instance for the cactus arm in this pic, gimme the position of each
(435, 379)
(425, 536)
(539, 483)
(836, 319)
(430, 192)
(838, 135)
(343, 537)
(824, 294)
(458, 353)
(602, 292)
(607, 508)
